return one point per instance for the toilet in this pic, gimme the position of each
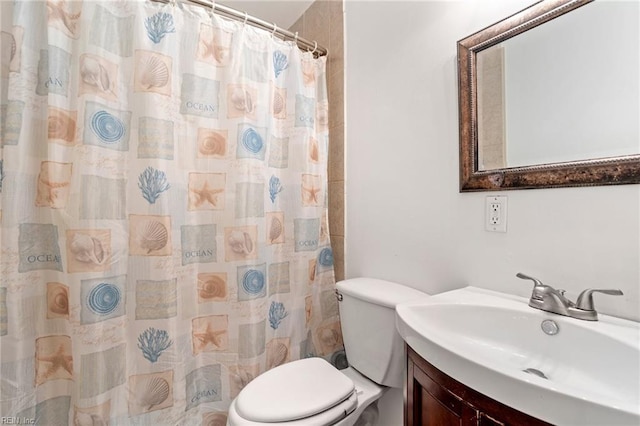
(311, 391)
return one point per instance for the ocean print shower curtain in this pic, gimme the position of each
(164, 212)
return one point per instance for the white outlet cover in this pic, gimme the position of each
(496, 220)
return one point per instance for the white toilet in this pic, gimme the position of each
(311, 391)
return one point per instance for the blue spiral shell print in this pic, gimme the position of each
(253, 282)
(252, 141)
(158, 26)
(280, 62)
(325, 258)
(108, 127)
(104, 298)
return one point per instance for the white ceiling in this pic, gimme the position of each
(282, 13)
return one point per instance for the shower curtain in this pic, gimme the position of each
(164, 212)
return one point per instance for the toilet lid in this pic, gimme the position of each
(293, 391)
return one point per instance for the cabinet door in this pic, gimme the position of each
(433, 405)
(435, 399)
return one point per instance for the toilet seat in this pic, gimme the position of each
(332, 416)
(312, 388)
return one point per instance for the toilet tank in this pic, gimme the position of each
(367, 317)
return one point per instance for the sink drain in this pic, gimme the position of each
(535, 372)
(550, 327)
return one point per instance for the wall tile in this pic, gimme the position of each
(335, 61)
(336, 208)
(337, 245)
(335, 82)
(298, 27)
(317, 22)
(336, 153)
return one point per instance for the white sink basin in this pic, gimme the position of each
(486, 339)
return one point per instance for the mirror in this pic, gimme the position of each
(550, 98)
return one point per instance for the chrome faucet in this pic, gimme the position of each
(547, 298)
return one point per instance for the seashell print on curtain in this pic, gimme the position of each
(163, 207)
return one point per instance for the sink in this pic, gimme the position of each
(586, 374)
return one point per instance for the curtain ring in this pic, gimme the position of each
(213, 7)
(246, 18)
(315, 47)
(275, 29)
(295, 39)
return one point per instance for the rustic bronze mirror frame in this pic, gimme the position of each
(601, 171)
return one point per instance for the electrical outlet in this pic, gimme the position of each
(496, 214)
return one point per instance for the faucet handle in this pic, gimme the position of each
(585, 299)
(536, 282)
(538, 287)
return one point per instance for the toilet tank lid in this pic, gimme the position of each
(380, 292)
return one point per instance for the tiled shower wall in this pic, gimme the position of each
(323, 22)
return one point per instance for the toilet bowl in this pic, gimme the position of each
(317, 394)
(311, 391)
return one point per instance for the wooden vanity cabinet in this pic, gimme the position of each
(435, 399)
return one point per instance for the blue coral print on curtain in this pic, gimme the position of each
(153, 342)
(159, 25)
(275, 187)
(152, 183)
(277, 313)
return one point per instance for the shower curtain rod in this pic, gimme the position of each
(256, 22)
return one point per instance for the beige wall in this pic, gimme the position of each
(324, 22)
